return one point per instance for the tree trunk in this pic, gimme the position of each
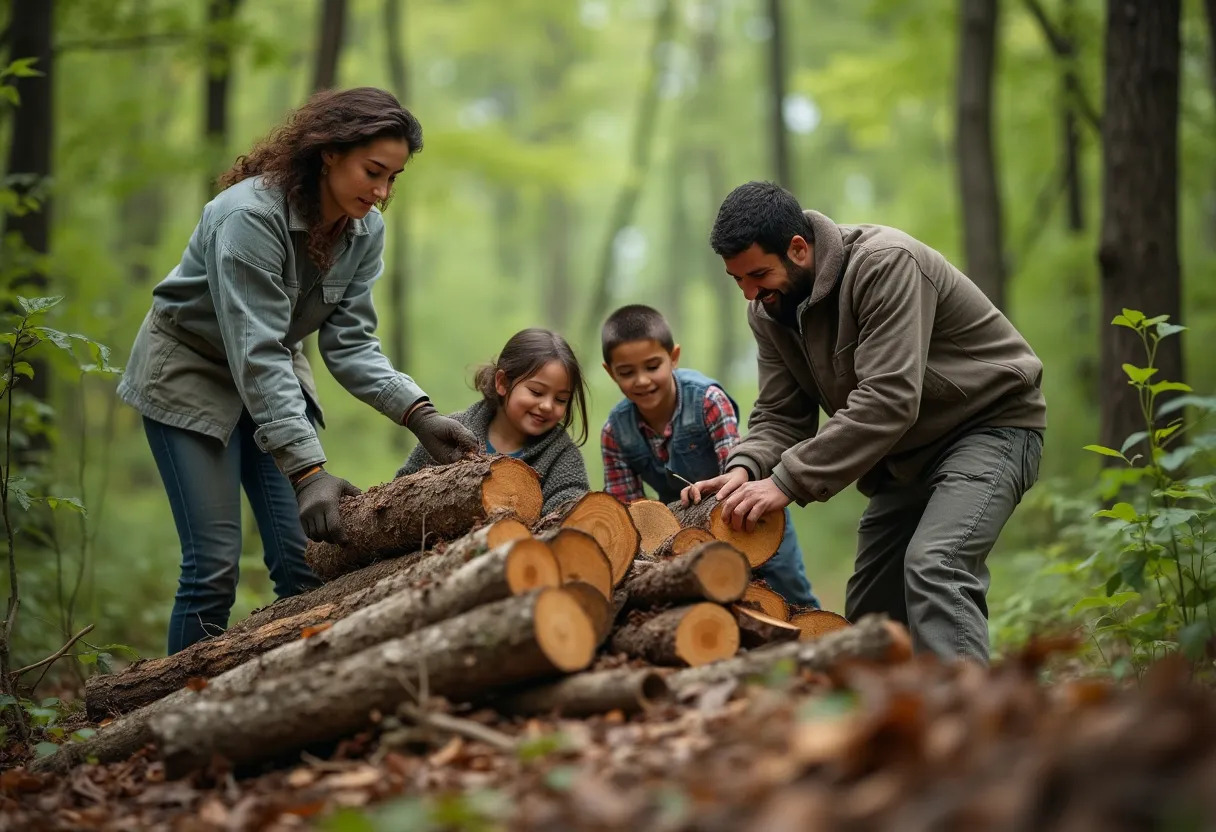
(685, 540)
(644, 129)
(500, 644)
(559, 229)
(680, 240)
(983, 237)
(759, 545)
(1138, 252)
(329, 44)
(1210, 7)
(438, 503)
(775, 52)
(711, 572)
(625, 689)
(655, 523)
(757, 629)
(218, 68)
(30, 156)
(399, 268)
(512, 569)
(603, 517)
(692, 635)
(872, 640)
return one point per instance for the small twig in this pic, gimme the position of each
(54, 656)
(458, 725)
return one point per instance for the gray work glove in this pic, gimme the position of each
(318, 496)
(445, 439)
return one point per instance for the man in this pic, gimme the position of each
(932, 398)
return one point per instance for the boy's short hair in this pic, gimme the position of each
(635, 322)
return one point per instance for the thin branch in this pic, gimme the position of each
(459, 726)
(1064, 49)
(54, 656)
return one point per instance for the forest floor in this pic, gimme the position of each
(917, 746)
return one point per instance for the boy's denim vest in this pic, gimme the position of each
(691, 454)
(691, 451)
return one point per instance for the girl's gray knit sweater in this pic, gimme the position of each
(554, 456)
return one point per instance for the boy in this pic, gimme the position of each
(675, 421)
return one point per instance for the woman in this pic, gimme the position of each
(291, 246)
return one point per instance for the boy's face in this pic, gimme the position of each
(643, 371)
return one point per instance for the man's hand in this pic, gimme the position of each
(445, 439)
(723, 484)
(751, 501)
(318, 494)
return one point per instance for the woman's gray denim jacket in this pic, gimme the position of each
(225, 328)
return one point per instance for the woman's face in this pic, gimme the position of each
(357, 179)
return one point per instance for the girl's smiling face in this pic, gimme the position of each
(538, 403)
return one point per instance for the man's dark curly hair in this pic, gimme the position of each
(762, 213)
(290, 157)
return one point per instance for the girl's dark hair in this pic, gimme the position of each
(290, 157)
(522, 357)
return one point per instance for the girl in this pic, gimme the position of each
(291, 246)
(525, 410)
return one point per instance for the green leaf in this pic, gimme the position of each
(1120, 511)
(10, 94)
(1139, 375)
(1173, 517)
(22, 68)
(82, 734)
(1134, 315)
(23, 368)
(45, 749)
(1113, 583)
(1165, 330)
(32, 306)
(1178, 457)
(23, 497)
(1091, 602)
(1102, 449)
(1163, 433)
(1205, 403)
(1167, 386)
(72, 503)
(124, 650)
(1133, 439)
(1198, 596)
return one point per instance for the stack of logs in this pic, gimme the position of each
(452, 584)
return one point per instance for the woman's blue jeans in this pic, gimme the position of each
(203, 479)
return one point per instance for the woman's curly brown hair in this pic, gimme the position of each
(290, 157)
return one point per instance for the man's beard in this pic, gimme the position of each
(784, 307)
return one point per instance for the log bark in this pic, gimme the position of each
(603, 517)
(818, 623)
(691, 635)
(624, 689)
(682, 541)
(873, 639)
(438, 503)
(712, 572)
(581, 558)
(478, 582)
(655, 523)
(540, 634)
(757, 629)
(759, 545)
(768, 601)
(385, 611)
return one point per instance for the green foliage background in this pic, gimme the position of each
(526, 99)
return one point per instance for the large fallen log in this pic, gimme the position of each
(603, 517)
(693, 635)
(873, 639)
(580, 558)
(626, 689)
(759, 545)
(512, 569)
(682, 541)
(540, 634)
(150, 679)
(439, 503)
(713, 571)
(655, 523)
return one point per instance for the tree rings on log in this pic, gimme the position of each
(655, 523)
(815, 623)
(603, 517)
(757, 629)
(769, 601)
(581, 558)
(713, 571)
(684, 540)
(759, 545)
(692, 635)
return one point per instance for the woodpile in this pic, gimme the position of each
(505, 610)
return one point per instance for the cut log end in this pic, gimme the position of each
(770, 602)
(685, 540)
(581, 558)
(757, 629)
(723, 574)
(603, 517)
(706, 633)
(564, 631)
(530, 565)
(504, 530)
(595, 604)
(655, 523)
(816, 623)
(760, 544)
(512, 485)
